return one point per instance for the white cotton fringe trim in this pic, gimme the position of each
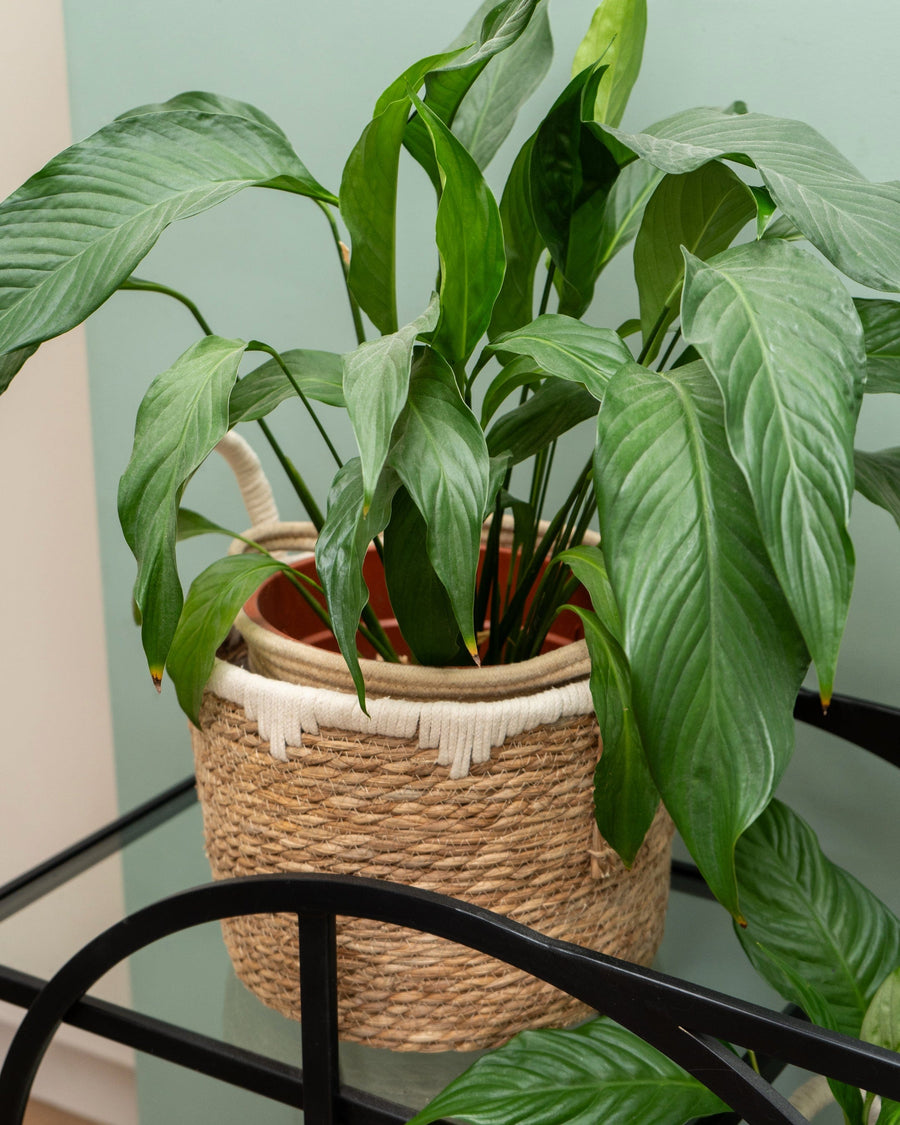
(462, 733)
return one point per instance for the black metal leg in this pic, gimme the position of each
(319, 1017)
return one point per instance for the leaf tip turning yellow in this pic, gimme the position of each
(157, 675)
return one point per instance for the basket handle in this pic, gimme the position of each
(256, 492)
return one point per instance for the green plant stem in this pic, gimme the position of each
(671, 348)
(299, 485)
(649, 349)
(753, 1060)
(345, 273)
(138, 285)
(259, 346)
(548, 288)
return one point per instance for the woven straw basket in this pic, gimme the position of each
(483, 792)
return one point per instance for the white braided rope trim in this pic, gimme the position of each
(462, 733)
(256, 491)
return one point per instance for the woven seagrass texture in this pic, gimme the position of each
(515, 836)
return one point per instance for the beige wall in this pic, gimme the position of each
(56, 750)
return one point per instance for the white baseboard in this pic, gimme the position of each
(97, 1084)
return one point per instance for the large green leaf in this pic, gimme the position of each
(209, 611)
(11, 364)
(318, 374)
(494, 28)
(623, 210)
(205, 102)
(881, 327)
(878, 478)
(551, 411)
(572, 172)
(182, 417)
(811, 914)
(349, 528)
(881, 1023)
(703, 211)
(569, 349)
(488, 111)
(521, 371)
(854, 223)
(376, 383)
(716, 659)
(598, 1072)
(441, 457)
(522, 245)
(369, 197)
(469, 237)
(615, 37)
(418, 598)
(77, 229)
(625, 798)
(780, 334)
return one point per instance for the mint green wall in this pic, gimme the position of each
(262, 265)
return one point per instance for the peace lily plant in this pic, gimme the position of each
(721, 477)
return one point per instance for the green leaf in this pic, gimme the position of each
(521, 371)
(715, 656)
(190, 524)
(469, 238)
(341, 547)
(369, 197)
(376, 383)
(522, 245)
(598, 1072)
(202, 101)
(780, 334)
(440, 455)
(418, 598)
(551, 411)
(319, 375)
(615, 37)
(703, 211)
(569, 349)
(878, 478)
(77, 229)
(11, 364)
(811, 914)
(881, 1023)
(881, 328)
(854, 223)
(625, 798)
(571, 173)
(494, 28)
(182, 417)
(209, 611)
(623, 210)
(488, 111)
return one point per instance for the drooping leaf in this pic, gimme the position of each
(572, 171)
(615, 38)
(376, 382)
(703, 211)
(881, 328)
(181, 419)
(569, 349)
(209, 611)
(780, 334)
(418, 598)
(11, 364)
(318, 374)
(369, 197)
(810, 913)
(440, 455)
(488, 111)
(469, 238)
(551, 411)
(190, 524)
(522, 244)
(78, 228)
(878, 478)
(521, 371)
(854, 223)
(625, 798)
(492, 30)
(598, 1072)
(715, 656)
(202, 101)
(341, 547)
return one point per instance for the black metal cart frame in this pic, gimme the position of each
(685, 1022)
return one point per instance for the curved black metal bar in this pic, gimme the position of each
(680, 1019)
(873, 726)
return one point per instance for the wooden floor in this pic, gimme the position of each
(40, 1114)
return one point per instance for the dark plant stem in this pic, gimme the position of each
(671, 348)
(649, 349)
(343, 258)
(548, 288)
(297, 482)
(137, 285)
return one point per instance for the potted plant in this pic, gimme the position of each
(723, 468)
